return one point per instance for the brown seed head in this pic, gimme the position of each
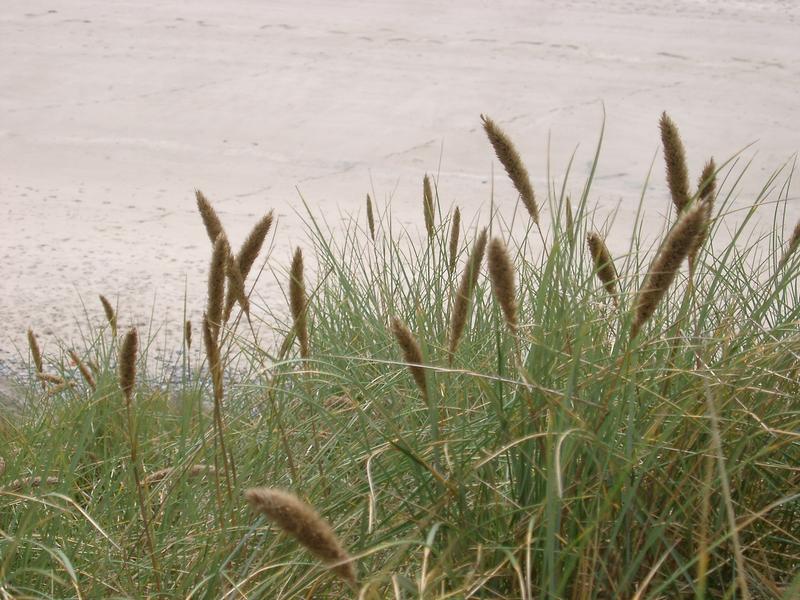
(509, 157)
(36, 353)
(501, 272)
(299, 302)
(427, 205)
(412, 353)
(603, 263)
(84, 370)
(469, 279)
(216, 284)
(706, 190)
(127, 363)
(111, 316)
(675, 157)
(47, 378)
(247, 257)
(236, 287)
(794, 243)
(370, 218)
(455, 230)
(214, 360)
(301, 521)
(672, 252)
(187, 334)
(193, 471)
(209, 215)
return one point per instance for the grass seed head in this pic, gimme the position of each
(455, 230)
(675, 158)
(299, 302)
(216, 283)
(370, 218)
(427, 205)
(469, 279)
(246, 257)
(509, 157)
(302, 522)
(672, 252)
(791, 248)
(127, 363)
(603, 263)
(36, 353)
(111, 316)
(706, 190)
(187, 334)
(84, 370)
(209, 215)
(412, 354)
(501, 272)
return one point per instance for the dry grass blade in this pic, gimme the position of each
(455, 231)
(427, 204)
(469, 279)
(216, 284)
(569, 218)
(509, 157)
(501, 272)
(672, 252)
(299, 302)
(84, 370)
(412, 353)
(301, 521)
(111, 316)
(675, 158)
(603, 263)
(370, 218)
(209, 215)
(187, 334)
(794, 243)
(247, 257)
(706, 190)
(127, 363)
(36, 353)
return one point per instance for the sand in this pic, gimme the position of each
(112, 113)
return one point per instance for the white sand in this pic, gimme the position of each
(112, 112)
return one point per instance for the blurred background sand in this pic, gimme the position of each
(112, 112)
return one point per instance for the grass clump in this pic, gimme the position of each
(547, 444)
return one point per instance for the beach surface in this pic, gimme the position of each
(113, 112)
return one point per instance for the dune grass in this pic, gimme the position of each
(562, 443)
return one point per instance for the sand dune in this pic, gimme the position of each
(111, 113)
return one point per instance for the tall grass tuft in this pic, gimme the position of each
(302, 522)
(675, 158)
(672, 252)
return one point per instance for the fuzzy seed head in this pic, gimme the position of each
(299, 302)
(36, 353)
(672, 252)
(427, 205)
(501, 272)
(370, 218)
(675, 158)
(187, 334)
(216, 283)
(509, 157)
(302, 522)
(791, 248)
(210, 219)
(455, 230)
(84, 370)
(603, 263)
(469, 280)
(111, 316)
(412, 353)
(247, 257)
(706, 190)
(127, 363)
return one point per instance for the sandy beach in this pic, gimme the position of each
(112, 113)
